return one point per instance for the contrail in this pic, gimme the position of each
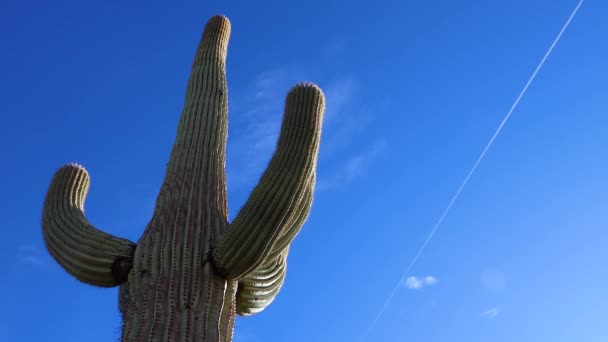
(464, 183)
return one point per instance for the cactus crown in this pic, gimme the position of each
(192, 271)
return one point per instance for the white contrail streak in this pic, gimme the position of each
(464, 183)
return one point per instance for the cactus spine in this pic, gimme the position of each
(191, 272)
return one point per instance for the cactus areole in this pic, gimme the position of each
(192, 271)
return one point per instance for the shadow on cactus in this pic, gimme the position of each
(192, 271)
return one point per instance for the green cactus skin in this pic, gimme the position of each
(192, 272)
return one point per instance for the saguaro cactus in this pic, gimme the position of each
(191, 272)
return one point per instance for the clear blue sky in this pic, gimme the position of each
(414, 89)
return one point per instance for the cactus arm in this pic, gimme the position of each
(290, 232)
(283, 192)
(87, 253)
(257, 290)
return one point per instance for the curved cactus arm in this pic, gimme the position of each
(257, 290)
(90, 255)
(284, 192)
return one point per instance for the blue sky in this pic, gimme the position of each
(414, 92)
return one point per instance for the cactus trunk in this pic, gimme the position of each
(192, 271)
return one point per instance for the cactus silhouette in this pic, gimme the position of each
(192, 271)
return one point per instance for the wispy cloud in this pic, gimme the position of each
(344, 118)
(491, 313)
(416, 283)
(353, 167)
(343, 158)
(255, 121)
(30, 254)
(338, 94)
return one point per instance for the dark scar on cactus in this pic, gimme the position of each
(121, 268)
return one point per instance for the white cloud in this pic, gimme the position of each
(353, 167)
(413, 283)
(416, 283)
(491, 313)
(430, 280)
